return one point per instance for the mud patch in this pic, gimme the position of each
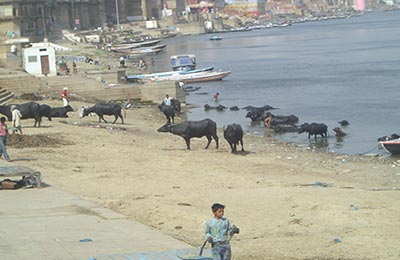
(28, 141)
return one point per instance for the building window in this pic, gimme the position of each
(32, 59)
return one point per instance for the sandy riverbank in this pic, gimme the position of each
(268, 191)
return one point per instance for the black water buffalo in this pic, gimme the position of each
(339, 132)
(190, 129)
(175, 103)
(45, 111)
(234, 108)
(233, 134)
(282, 120)
(218, 108)
(264, 108)
(257, 113)
(101, 109)
(28, 110)
(344, 123)
(285, 128)
(314, 129)
(171, 111)
(60, 111)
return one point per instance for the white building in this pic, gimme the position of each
(39, 61)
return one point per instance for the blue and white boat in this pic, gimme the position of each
(183, 62)
(165, 74)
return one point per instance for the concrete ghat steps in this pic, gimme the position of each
(4, 100)
(21, 83)
(89, 89)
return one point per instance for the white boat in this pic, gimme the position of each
(152, 76)
(194, 77)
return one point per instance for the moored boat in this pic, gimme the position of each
(183, 62)
(144, 50)
(195, 77)
(391, 146)
(119, 47)
(167, 73)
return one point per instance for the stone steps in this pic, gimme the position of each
(21, 83)
(5, 96)
(89, 88)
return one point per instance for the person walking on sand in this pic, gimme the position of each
(64, 96)
(16, 119)
(217, 231)
(74, 68)
(3, 138)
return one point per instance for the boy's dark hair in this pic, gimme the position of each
(2, 119)
(217, 206)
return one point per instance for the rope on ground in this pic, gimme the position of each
(376, 147)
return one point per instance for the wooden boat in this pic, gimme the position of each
(165, 74)
(119, 47)
(144, 50)
(195, 77)
(391, 146)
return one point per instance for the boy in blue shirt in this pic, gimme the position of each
(217, 231)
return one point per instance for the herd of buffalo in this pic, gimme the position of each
(37, 111)
(233, 133)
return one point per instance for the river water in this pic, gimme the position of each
(324, 72)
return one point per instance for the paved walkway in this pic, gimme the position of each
(49, 223)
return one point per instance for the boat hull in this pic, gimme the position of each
(195, 77)
(167, 73)
(391, 146)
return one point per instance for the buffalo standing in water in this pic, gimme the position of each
(314, 129)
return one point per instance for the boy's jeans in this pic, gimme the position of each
(3, 150)
(221, 251)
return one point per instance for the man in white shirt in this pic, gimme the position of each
(16, 119)
(167, 100)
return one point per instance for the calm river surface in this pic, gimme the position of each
(322, 72)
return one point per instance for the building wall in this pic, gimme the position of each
(9, 19)
(33, 65)
(37, 17)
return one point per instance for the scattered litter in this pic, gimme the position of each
(86, 240)
(319, 184)
(184, 204)
(352, 207)
(337, 240)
